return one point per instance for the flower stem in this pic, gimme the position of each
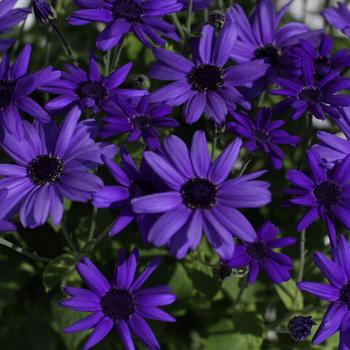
(23, 251)
(245, 165)
(178, 25)
(73, 246)
(242, 288)
(302, 255)
(91, 245)
(221, 4)
(93, 224)
(64, 42)
(214, 144)
(189, 17)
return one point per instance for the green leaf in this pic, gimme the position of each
(290, 295)
(181, 284)
(56, 270)
(204, 282)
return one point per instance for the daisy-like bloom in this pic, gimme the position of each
(199, 197)
(143, 18)
(337, 293)
(205, 85)
(8, 19)
(197, 5)
(44, 12)
(331, 148)
(131, 182)
(339, 17)
(325, 192)
(260, 35)
(263, 134)
(121, 305)
(16, 86)
(88, 90)
(321, 97)
(51, 164)
(324, 62)
(258, 254)
(138, 121)
(300, 327)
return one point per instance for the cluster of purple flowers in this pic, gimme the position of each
(179, 190)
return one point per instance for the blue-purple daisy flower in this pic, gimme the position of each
(51, 164)
(321, 97)
(325, 192)
(121, 304)
(338, 17)
(143, 18)
(205, 85)
(263, 134)
(131, 182)
(261, 37)
(89, 90)
(16, 86)
(323, 61)
(139, 121)
(260, 254)
(9, 17)
(337, 293)
(199, 197)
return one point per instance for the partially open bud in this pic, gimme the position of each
(300, 327)
(217, 19)
(44, 12)
(141, 81)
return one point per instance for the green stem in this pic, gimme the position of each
(116, 57)
(189, 17)
(178, 25)
(23, 251)
(242, 288)
(245, 165)
(221, 4)
(64, 42)
(93, 224)
(73, 246)
(91, 245)
(214, 144)
(108, 62)
(302, 255)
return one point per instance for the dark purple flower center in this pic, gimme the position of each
(257, 250)
(92, 89)
(344, 295)
(127, 9)
(45, 169)
(310, 94)
(328, 193)
(270, 53)
(199, 194)
(140, 121)
(118, 304)
(206, 78)
(300, 327)
(7, 88)
(261, 135)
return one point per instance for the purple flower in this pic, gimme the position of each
(300, 327)
(337, 293)
(51, 164)
(88, 90)
(339, 17)
(131, 183)
(198, 5)
(205, 86)
(259, 254)
(263, 134)
(139, 121)
(121, 304)
(143, 18)
(44, 12)
(319, 97)
(15, 88)
(261, 37)
(323, 61)
(8, 19)
(199, 198)
(5, 226)
(331, 148)
(325, 192)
